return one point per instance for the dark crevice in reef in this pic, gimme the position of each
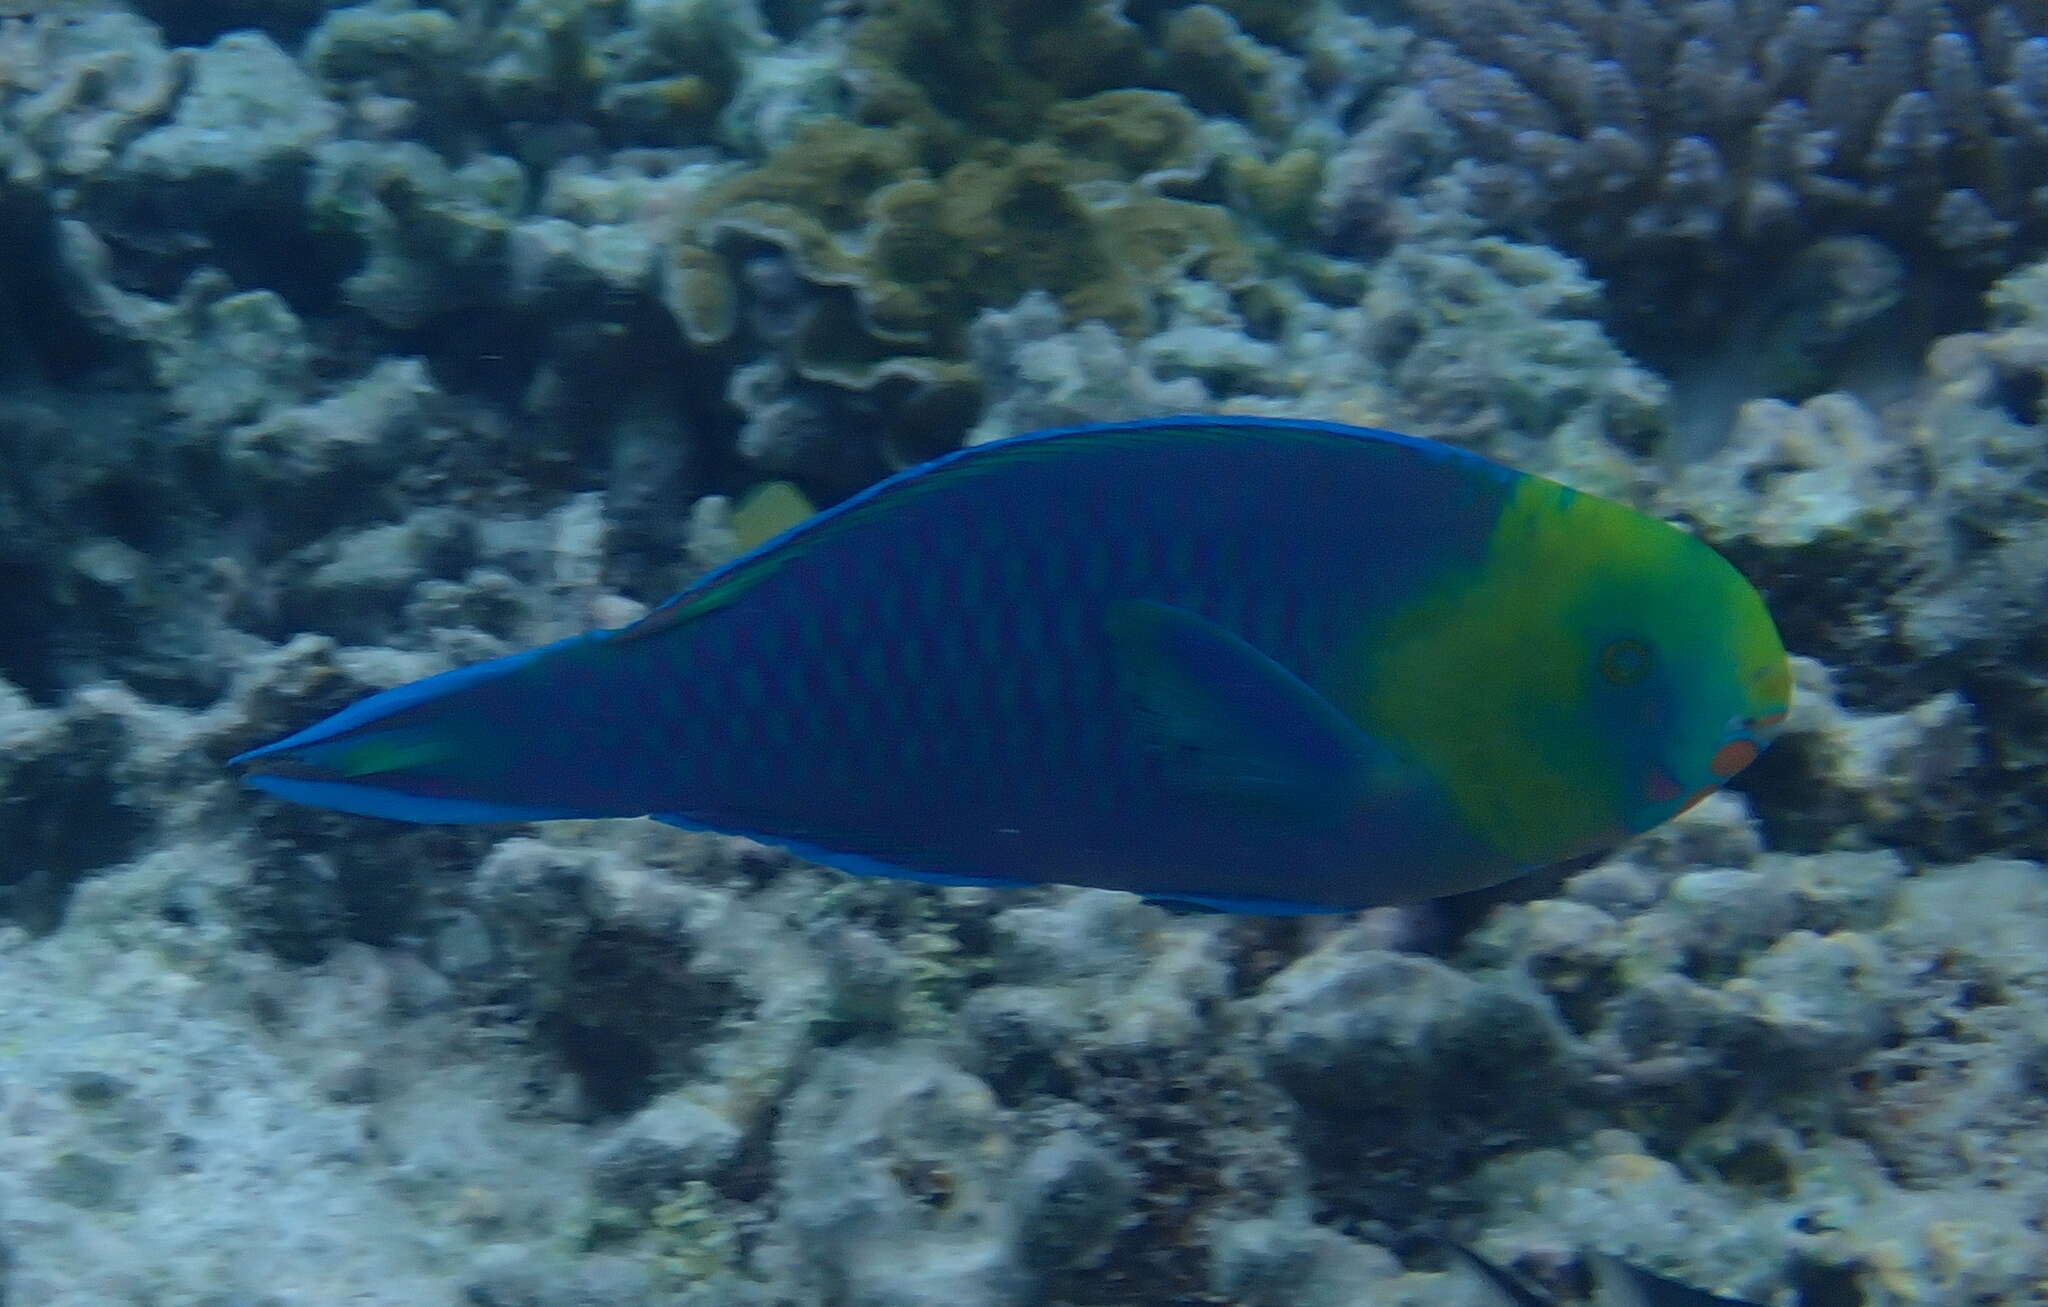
(1760, 321)
(200, 22)
(254, 229)
(633, 1017)
(616, 1067)
(40, 332)
(62, 816)
(301, 905)
(27, 657)
(1826, 1286)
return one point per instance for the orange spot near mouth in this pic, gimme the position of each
(1732, 757)
(1768, 720)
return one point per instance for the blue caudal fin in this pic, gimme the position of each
(370, 801)
(408, 754)
(386, 703)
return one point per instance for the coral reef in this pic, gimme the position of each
(1672, 144)
(343, 343)
(755, 1082)
(1903, 542)
(1482, 342)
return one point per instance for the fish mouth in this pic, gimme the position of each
(1747, 738)
(1744, 740)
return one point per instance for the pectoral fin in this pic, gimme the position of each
(1228, 721)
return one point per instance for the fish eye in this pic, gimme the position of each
(1624, 662)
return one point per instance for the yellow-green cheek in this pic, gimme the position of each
(1481, 684)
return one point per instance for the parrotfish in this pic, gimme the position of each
(1236, 664)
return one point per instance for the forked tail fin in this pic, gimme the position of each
(431, 751)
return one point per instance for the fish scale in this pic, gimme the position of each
(1253, 664)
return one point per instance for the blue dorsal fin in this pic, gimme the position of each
(1231, 723)
(396, 805)
(386, 704)
(726, 584)
(764, 519)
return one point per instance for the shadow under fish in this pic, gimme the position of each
(1616, 1283)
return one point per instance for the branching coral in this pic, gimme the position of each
(1708, 133)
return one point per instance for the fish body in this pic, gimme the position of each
(1248, 664)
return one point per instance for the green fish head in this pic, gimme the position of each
(1595, 674)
